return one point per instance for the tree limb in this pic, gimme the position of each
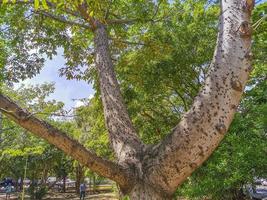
(203, 127)
(121, 21)
(83, 8)
(123, 136)
(62, 19)
(58, 138)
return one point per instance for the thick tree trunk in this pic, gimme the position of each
(143, 191)
(166, 165)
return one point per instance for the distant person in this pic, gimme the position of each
(8, 190)
(82, 191)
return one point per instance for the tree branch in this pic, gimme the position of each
(83, 8)
(203, 127)
(58, 138)
(123, 136)
(122, 21)
(62, 19)
(131, 21)
(182, 98)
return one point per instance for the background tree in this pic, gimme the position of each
(18, 146)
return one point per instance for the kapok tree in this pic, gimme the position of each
(154, 172)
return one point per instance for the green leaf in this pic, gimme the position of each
(5, 1)
(36, 4)
(44, 4)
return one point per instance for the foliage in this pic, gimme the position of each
(37, 192)
(17, 145)
(160, 78)
(43, 35)
(90, 120)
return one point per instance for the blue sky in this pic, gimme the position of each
(65, 90)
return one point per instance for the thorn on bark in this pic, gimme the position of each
(236, 85)
(220, 128)
(193, 165)
(249, 55)
(201, 153)
(245, 29)
(233, 106)
(250, 68)
(22, 115)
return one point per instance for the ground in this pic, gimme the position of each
(62, 196)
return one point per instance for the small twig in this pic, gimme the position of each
(257, 23)
(108, 9)
(6, 111)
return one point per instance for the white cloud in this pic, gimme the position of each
(79, 103)
(91, 96)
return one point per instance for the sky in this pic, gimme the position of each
(65, 90)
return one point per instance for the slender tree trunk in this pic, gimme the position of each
(94, 185)
(90, 189)
(21, 183)
(44, 175)
(79, 177)
(17, 184)
(64, 184)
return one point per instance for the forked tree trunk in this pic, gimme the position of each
(155, 172)
(161, 169)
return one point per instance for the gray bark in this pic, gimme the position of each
(123, 137)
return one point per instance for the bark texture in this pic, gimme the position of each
(203, 127)
(123, 137)
(143, 191)
(155, 172)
